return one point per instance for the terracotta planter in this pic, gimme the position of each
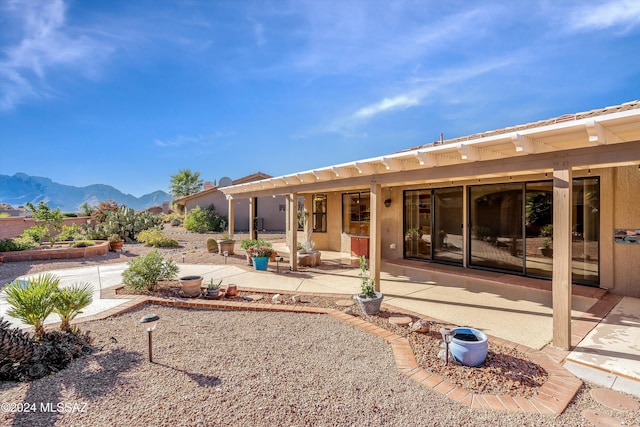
(114, 246)
(226, 246)
(191, 285)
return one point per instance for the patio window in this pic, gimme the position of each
(356, 212)
(319, 213)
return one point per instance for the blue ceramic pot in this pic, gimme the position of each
(469, 346)
(260, 263)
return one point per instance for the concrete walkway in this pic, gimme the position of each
(608, 355)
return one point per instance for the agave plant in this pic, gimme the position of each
(33, 302)
(69, 302)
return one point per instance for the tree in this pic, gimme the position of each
(52, 218)
(185, 182)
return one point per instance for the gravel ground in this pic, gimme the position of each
(241, 369)
(245, 369)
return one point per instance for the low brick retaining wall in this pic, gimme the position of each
(59, 253)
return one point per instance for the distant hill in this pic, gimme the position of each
(20, 188)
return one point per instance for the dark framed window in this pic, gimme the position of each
(356, 213)
(319, 213)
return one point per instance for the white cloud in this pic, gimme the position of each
(388, 104)
(619, 14)
(200, 140)
(45, 43)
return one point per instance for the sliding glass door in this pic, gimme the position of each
(496, 226)
(417, 224)
(448, 220)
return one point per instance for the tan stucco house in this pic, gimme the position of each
(548, 199)
(268, 212)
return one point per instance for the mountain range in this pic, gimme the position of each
(20, 188)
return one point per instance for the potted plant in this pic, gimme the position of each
(226, 244)
(260, 256)
(191, 285)
(368, 299)
(213, 289)
(547, 247)
(115, 242)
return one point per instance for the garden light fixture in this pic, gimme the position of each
(150, 321)
(447, 336)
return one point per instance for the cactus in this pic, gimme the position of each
(212, 245)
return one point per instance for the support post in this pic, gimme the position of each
(231, 223)
(375, 234)
(252, 218)
(292, 215)
(561, 279)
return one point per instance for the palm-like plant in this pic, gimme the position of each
(33, 303)
(184, 183)
(69, 302)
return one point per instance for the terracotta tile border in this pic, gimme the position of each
(552, 398)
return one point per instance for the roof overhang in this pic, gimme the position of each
(589, 142)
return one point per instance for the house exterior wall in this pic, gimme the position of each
(624, 258)
(268, 209)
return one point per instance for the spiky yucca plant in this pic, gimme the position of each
(33, 303)
(69, 302)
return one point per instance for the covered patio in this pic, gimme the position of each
(602, 143)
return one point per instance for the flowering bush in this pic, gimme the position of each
(260, 251)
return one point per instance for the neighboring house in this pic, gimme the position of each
(497, 200)
(165, 208)
(268, 212)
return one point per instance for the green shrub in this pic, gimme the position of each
(37, 232)
(17, 244)
(32, 303)
(156, 238)
(201, 220)
(69, 302)
(146, 271)
(70, 232)
(174, 219)
(82, 243)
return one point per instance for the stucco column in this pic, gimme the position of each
(375, 234)
(231, 216)
(292, 228)
(252, 218)
(561, 279)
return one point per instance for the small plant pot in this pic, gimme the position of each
(213, 293)
(547, 252)
(191, 285)
(370, 306)
(114, 246)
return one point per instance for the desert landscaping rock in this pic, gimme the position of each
(400, 320)
(615, 399)
(345, 302)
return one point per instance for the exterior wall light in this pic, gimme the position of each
(150, 321)
(387, 202)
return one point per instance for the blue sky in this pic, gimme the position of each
(127, 93)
